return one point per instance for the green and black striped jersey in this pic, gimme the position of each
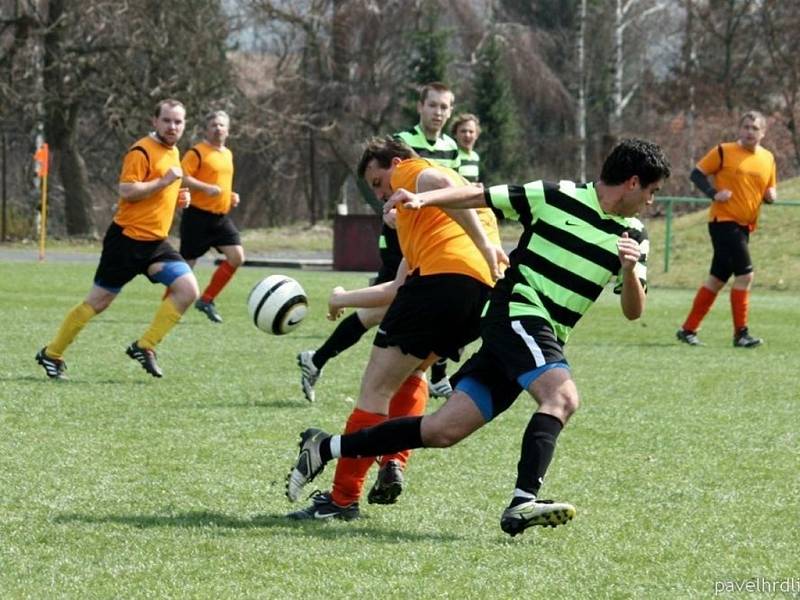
(469, 167)
(443, 150)
(566, 254)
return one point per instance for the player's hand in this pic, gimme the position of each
(628, 251)
(213, 190)
(497, 260)
(404, 198)
(723, 196)
(390, 218)
(184, 197)
(171, 175)
(234, 199)
(335, 308)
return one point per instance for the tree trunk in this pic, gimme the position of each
(580, 116)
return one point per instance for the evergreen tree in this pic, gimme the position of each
(427, 60)
(494, 106)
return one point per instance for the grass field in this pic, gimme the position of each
(682, 462)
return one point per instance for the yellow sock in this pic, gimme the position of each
(167, 316)
(75, 320)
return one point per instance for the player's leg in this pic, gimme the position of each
(720, 272)
(740, 292)
(557, 396)
(347, 334)
(182, 285)
(51, 357)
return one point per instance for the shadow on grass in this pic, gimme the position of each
(42, 379)
(198, 519)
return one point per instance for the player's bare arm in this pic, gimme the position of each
(136, 190)
(632, 297)
(198, 186)
(369, 297)
(467, 196)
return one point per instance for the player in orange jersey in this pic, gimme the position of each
(208, 173)
(452, 265)
(135, 244)
(744, 176)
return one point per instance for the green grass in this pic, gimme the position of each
(682, 461)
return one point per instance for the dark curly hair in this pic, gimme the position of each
(635, 157)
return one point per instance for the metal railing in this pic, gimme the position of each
(670, 201)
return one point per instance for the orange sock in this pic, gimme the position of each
(740, 305)
(348, 482)
(219, 279)
(409, 401)
(703, 301)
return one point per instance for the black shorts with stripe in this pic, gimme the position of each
(731, 252)
(434, 313)
(202, 230)
(123, 258)
(510, 349)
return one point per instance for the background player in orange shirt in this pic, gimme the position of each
(135, 244)
(744, 176)
(208, 173)
(452, 264)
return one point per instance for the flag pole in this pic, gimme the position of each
(42, 156)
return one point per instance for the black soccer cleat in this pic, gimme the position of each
(52, 366)
(688, 337)
(743, 339)
(545, 513)
(146, 357)
(324, 508)
(389, 484)
(308, 465)
(209, 310)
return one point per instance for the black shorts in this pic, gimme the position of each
(731, 252)
(124, 258)
(434, 313)
(511, 350)
(202, 230)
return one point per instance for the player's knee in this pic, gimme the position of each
(440, 436)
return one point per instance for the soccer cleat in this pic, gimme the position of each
(52, 366)
(146, 358)
(323, 507)
(743, 339)
(208, 309)
(309, 373)
(389, 484)
(441, 388)
(688, 337)
(546, 513)
(308, 465)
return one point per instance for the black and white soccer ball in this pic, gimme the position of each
(277, 304)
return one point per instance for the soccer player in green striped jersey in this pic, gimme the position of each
(576, 238)
(466, 129)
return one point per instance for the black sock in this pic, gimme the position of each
(538, 446)
(325, 449)
(394, 435)
(439, 370)
(346, 334)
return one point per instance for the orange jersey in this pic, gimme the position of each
(431, 241)
(151, 217)
(746, 174)
(214, 166)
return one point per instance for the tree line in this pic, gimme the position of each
(555, 82)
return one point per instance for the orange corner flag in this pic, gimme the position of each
(42, 157)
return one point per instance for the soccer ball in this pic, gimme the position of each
(277, 304)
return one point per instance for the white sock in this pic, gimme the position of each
(336, 446)
(518, 493)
